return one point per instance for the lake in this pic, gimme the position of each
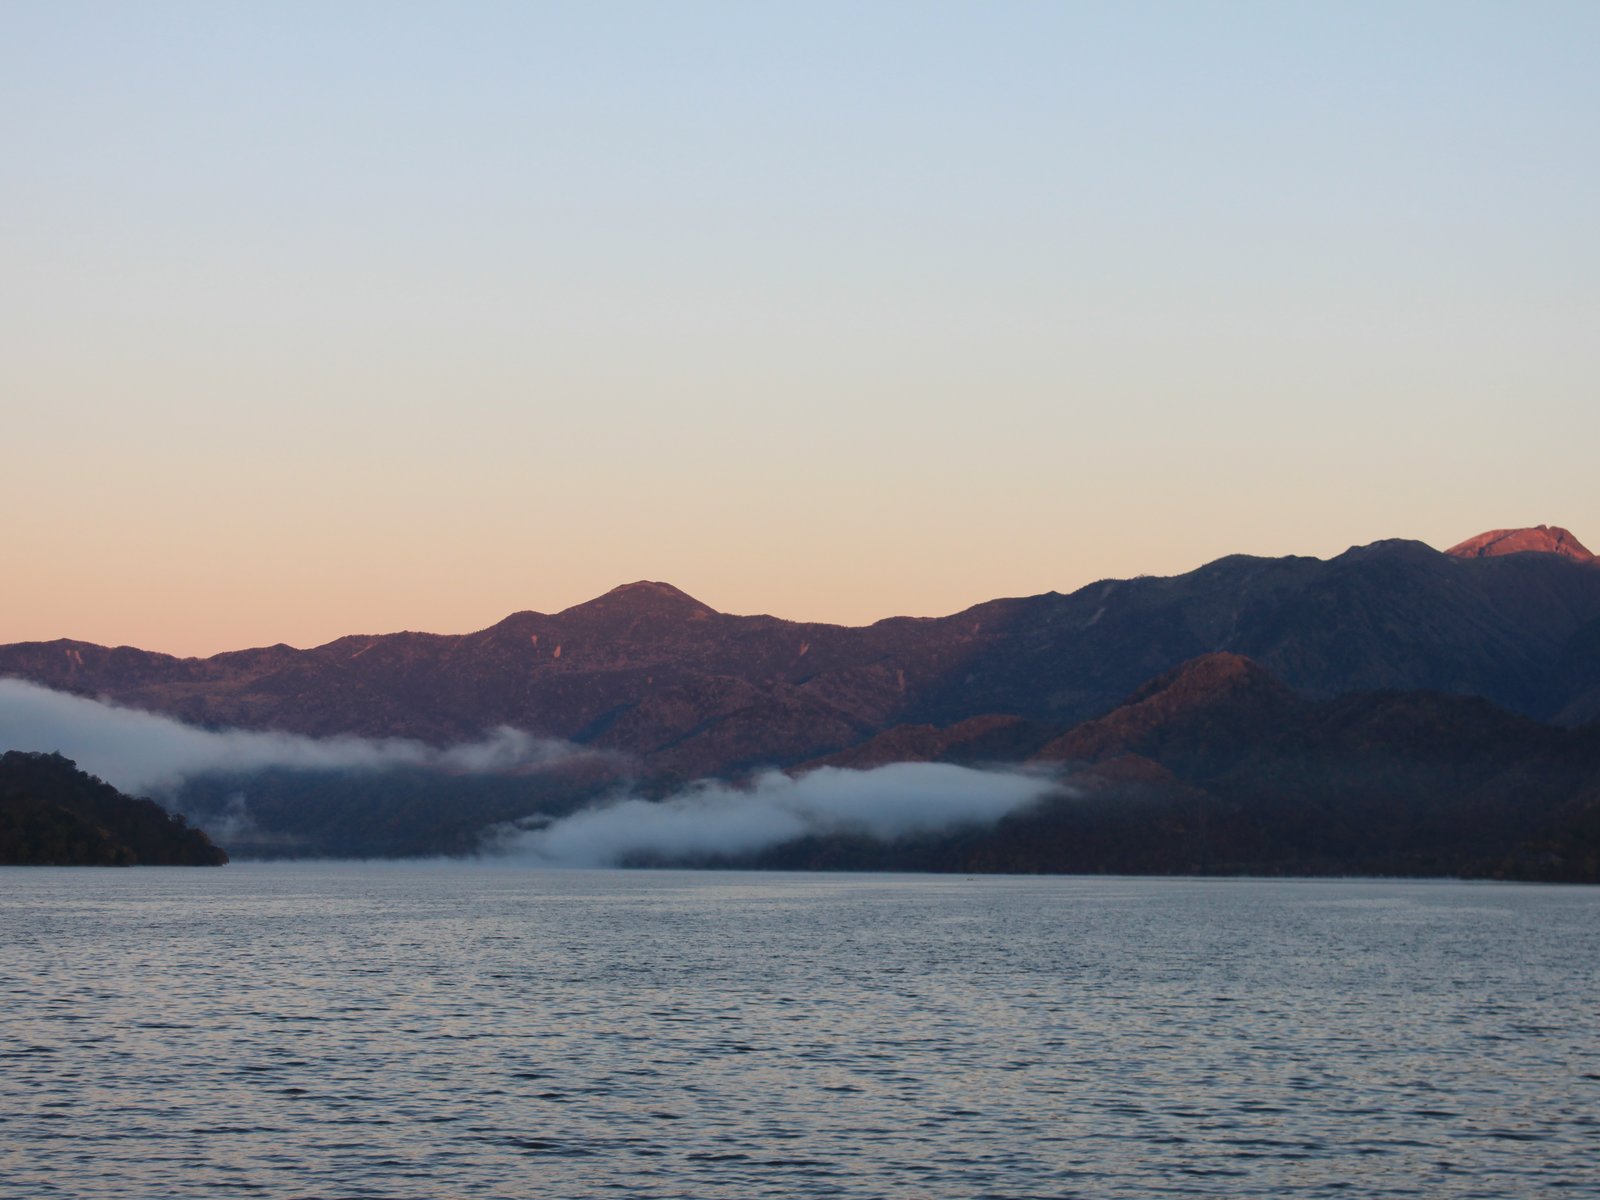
(424, 1031)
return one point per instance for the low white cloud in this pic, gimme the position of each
(141, 751)
(714, 818)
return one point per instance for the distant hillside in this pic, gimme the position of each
(687, 691)
(1217, 768)
(52, 814)
(399, 813)
(1214, 767)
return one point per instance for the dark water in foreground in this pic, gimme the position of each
(343, 1031)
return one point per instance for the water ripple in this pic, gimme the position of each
(407, 1032)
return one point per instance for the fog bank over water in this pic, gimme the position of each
(145, 752)
(714, 819)
(141, 751)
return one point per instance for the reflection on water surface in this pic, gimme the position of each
(425, 1031)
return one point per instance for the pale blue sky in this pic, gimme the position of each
(328, 317)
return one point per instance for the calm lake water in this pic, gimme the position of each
(338, 1030)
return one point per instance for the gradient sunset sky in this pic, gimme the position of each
(329, 318)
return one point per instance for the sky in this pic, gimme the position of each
(324, 319)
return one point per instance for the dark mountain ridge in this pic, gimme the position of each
(650, 672)
(1218, 768)
(1214, 767)
(52, 814)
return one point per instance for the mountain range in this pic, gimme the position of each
(652, 674)
(1395, 709)
(1218, 768)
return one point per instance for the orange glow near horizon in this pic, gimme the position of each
(489, 314)
(240, 595)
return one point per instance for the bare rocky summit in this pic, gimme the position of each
(1538, 539)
